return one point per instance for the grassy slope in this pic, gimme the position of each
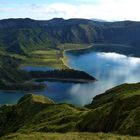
(67, 136)
(8, 71)
(11, 78)
(123, 91)
(47, 116)
(50, 58)
(53, 58)
(117, 110)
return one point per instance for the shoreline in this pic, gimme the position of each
(21, 91)
(65, 60)
(65, 80)
(88, 47)
(78, 81)
(67, 50)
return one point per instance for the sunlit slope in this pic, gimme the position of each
(117, 110)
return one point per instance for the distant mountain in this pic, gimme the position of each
(99, 20)
(25, 35)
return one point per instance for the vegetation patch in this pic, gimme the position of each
(69, 75)
(53, 58)
(67, 136)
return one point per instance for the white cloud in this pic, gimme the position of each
(119, 58)
(122, 69)
(112, 55)
(101, 9)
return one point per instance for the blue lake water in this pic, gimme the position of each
(36, 68)
(110, 69)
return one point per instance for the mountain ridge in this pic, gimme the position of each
(24, 35)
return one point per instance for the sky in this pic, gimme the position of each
(110, 10)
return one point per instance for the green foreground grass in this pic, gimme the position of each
(67, 136)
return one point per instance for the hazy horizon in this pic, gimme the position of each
(109, 10)
(98, 20)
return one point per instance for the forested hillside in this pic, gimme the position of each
(24, 35)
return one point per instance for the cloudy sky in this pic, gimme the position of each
(47, 9)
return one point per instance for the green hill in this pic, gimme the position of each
(37, 113)
(115, 111)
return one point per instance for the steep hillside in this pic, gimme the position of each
(115, 111)
(25, 35)
(9, 71)
(37, 113)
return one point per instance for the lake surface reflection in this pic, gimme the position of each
(110, 69)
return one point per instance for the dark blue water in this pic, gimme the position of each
(110, 69)
(36, 68)
(10, 97)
